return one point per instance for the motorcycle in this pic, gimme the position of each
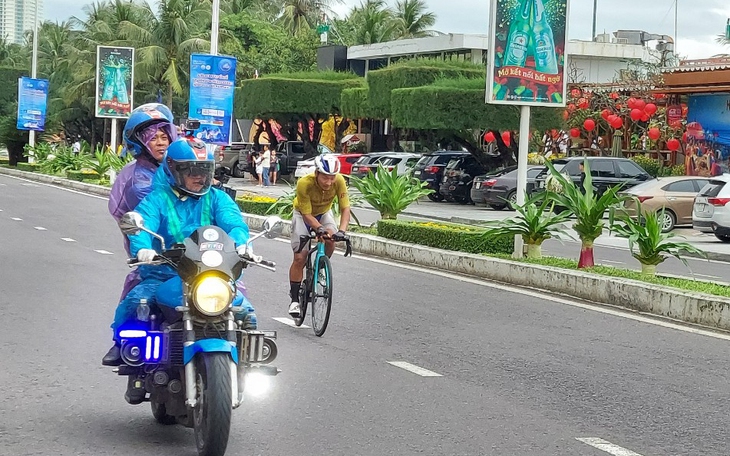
(191, 360)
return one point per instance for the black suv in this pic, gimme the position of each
(430, 168)
(459, 177)
(605, 172)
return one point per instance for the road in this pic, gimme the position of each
(609, 251)
(520, 373)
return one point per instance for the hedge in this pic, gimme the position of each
(445, 107)
(272, 96)
(83, 176)
(258, 205)
(399, 76)
(32, 167)
(445, 236)
(355, 103)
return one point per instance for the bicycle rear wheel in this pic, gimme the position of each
(321, 295)
(303, 300)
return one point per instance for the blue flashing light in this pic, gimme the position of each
(148, 348)
(157, 348)
(132, 334)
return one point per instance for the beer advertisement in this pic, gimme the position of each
(527, 52)
(114, 81)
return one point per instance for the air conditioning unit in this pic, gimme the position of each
(622, 41)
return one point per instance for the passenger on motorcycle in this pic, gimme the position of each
(315, 194)
(181, 202)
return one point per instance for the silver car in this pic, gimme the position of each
(711, 212)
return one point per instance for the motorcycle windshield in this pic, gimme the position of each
(209, 249)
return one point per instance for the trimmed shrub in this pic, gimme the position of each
(32, 167)
(459, 238)
(82, 176)
(255, 204)
(650, 165)
(354, 103)
(4, 161)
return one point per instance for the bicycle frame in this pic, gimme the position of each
(312, 260)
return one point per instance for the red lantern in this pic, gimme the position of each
(614, 96)
(617, 123)
(571, 107)
(506, 138)
(575, 132)
(489, 136)
(645, 117)
(650, 109)
(583, 103)
(589, 124)
(566, 114)
(660, 96)
(631, 103)
(636, 115)
(605, 114)
(611, 119)
(654, 133)
(575, 93)
(673, 144)
(684, 136)
(640, 105)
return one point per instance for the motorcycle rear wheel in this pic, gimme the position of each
(212, 415)
(160, 413)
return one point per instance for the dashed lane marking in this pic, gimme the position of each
(289, 322)
(40, 228)
(607, 446)
(104, 252)
(68, 240)
(16, 219)
(414, 369)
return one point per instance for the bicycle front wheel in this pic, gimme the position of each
(321, 295)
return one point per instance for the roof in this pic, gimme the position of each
(712, 64)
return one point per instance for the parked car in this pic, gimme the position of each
(711, 213)
(230, 157)
(675, 194)
(499, 188)
(605, 172)
(291, 152)
(369, 162)
(403, 163)
(459, 177)
(305, 167)
(430, 168)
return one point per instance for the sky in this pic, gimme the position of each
(699, 21)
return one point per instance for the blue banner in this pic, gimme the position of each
(32, 96)
(212, 80)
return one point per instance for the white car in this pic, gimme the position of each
(402, 162)
(711, 212)
(304, 167)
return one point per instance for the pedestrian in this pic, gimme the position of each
(581, 168)
(259, 161)
(251, 160)
(77, 146)
(266, 165)
(274, 170)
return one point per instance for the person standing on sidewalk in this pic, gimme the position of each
(266, 165)
(274, 169)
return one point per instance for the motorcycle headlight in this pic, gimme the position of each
(212, 296)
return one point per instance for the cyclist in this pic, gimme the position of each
(313, 210)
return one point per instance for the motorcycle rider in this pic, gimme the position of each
(315, 194)
(181, 202)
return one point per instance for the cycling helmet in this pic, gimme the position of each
(143, 117)
(327, 164)
(189, 167)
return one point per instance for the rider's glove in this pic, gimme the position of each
(321, 231)
(339, 235)
(242, 250)
(146, 255)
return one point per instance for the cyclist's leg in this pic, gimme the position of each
(328, 221)
(296, 271)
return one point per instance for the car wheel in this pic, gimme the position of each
(436, 197)
(723, 237)
(237, 170)
(667, 221)
(498, 207)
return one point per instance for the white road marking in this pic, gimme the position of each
(29, 185)
(707, 276)
(57, 187)
(16, 219)
(68, 239)
(612, 262)
(289, 322)
(104, 252)
(414, 369)
(40, 228)
(606, 446)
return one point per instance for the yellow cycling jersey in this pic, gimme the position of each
(311, 199)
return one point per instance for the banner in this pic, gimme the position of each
(212, 80)
(707, 137)
(114, 81)
(527, 58)
(32, 99)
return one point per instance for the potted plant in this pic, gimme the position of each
(535, 222)
(645, 234)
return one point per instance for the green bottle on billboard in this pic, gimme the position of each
(518, 40)
(545, 59)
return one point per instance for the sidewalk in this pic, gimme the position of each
(468, 214)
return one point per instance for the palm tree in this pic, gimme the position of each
(373, 22)
(412, 20)
(300, 16)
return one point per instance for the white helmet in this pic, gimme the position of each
(327, 164)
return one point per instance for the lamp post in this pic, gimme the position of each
(214, 24)
(595, 8)
(34, 69)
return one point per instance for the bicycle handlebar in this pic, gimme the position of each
(304, 239)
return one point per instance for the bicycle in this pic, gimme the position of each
(317, 292)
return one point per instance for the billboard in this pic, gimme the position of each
(707, 142)
(114, 81)
(32, 99)
(212, 80)
(527, 42)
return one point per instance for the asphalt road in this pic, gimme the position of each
(520, 373)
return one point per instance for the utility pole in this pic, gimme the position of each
(595, 8)
(34, 68)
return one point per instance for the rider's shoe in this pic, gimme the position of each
(294, 309)
(113, 357)
(250, 322)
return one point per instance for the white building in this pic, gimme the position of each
(16, 17)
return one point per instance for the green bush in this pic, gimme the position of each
(650, 165)
(4, 161)
(255, 205)
(82, 176)
(32, 167)
(445, 236)
(354, 103)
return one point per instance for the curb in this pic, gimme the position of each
(698, 308)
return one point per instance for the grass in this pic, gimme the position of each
(681, 284)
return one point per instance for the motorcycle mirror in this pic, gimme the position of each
(131, 223)
(273, 227)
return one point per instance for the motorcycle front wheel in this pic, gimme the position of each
(159, 411)
(212, 414)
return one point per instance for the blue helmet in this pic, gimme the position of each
(188, 166)
(140, 121)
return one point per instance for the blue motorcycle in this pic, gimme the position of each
(191, 359)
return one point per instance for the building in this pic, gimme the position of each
(16, 17)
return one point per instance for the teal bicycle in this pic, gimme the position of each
(317, 285)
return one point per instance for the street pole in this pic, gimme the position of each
(595, 9)
(676, 23)
(214, 27)
(113, 142)
(523, 150)
(34, 70)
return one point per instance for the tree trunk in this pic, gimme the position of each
(586, 255)
(340, 129)
(310, 147)
(648, 269)
(534, 250)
